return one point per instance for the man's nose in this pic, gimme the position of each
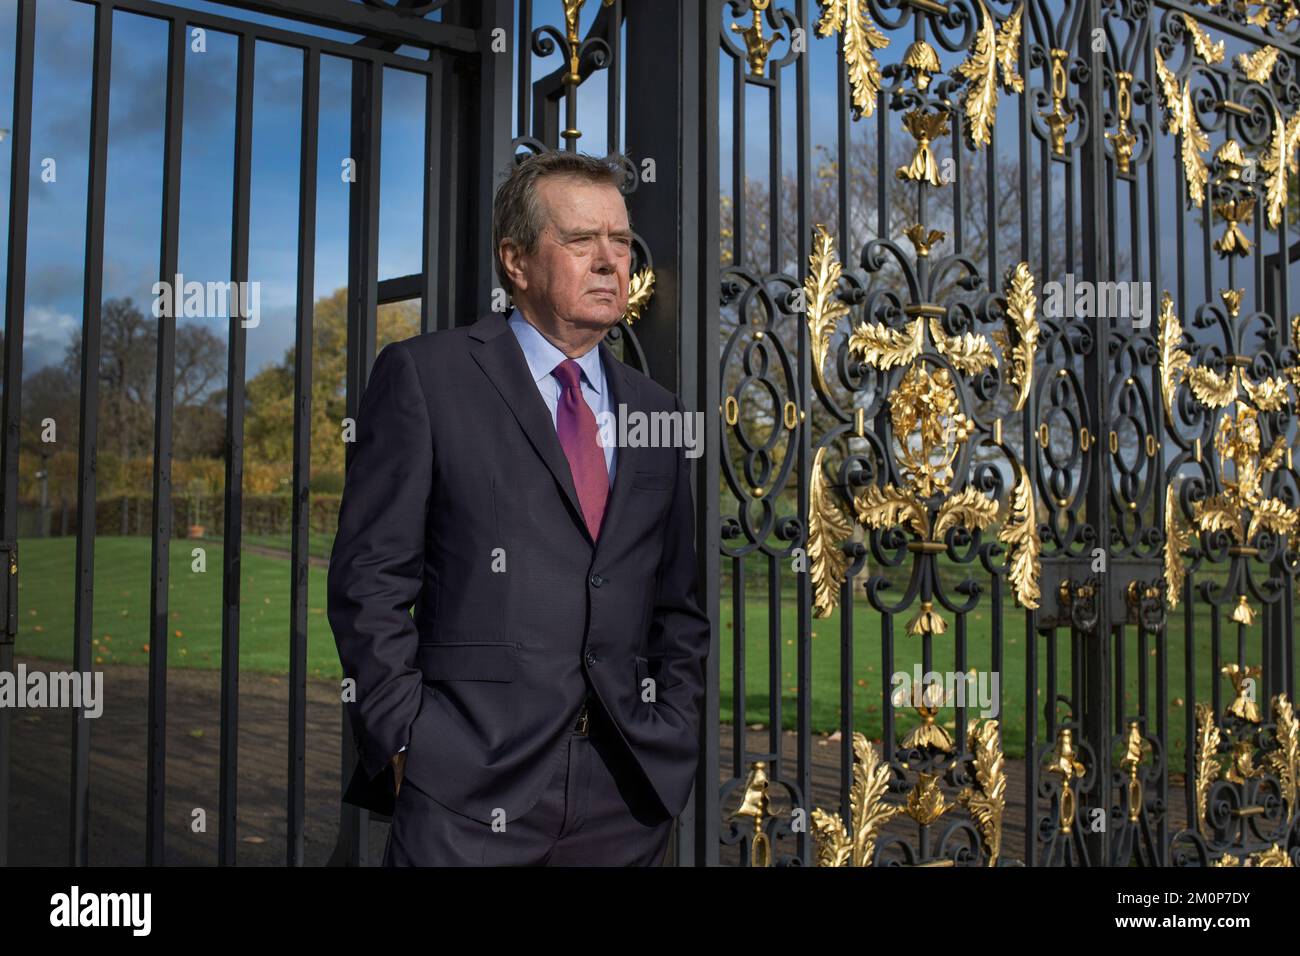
(605, 260)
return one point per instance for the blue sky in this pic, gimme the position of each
(61, 129)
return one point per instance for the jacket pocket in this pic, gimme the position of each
(651, 667)
(468, 660)
(654, 480)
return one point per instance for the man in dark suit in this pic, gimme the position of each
(542, 704)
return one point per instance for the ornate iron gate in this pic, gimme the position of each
(1008, 384)
(960, 422)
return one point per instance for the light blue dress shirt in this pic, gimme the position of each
(542, 357)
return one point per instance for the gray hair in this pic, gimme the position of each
(517, 212)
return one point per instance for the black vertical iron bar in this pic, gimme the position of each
(1121, 677)
(1189, 711)
(807, 403)
(886, 669)
(1092, 170)
(295, 850)
(490, 89)
(232, 519)
(11, 396)
(452, 205)
(738, 670)
(431, 228)
(846, 700)
(353, 846)
(92, 294)
(524, 74)
(1143, 677)
(613, 78)
(739, 224)
(164, 397)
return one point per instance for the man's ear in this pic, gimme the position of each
(510, 262)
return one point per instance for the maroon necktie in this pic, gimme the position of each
(576, 427)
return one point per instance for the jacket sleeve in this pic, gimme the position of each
(677, 623)
(376, 564)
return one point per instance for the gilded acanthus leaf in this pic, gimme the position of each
(967, 509)
(994, 52)
(1258, 66)
(1206, 49)
(879, 345)
(988, 803)
(1273, 514)
(1268, 394)
(861, 39)
(1174, 360)
(835, 845)
(1218, 513)
(1284, 758)
(890, 507)
(1020, 534)
(1276, 160)
(968, 352)
(834, 848)
(640, 290)
(1211, 388)
(1020, 340)
(825, 309)
(1181, 118)
(1208, 768)
(1178, 538)
(827, 528)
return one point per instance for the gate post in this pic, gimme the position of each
(676, 125)
(1097, 647)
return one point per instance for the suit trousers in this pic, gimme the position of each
(597, 810)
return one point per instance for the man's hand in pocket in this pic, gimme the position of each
(399, 766)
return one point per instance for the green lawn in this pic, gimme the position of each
(121, 634)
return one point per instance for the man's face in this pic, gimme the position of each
(580, 272)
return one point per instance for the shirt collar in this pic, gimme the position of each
(542, 356)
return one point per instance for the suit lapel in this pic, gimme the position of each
(627, 460)
(502, 361)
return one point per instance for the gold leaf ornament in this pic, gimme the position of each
(988, 803)
(993, 57)
(1019, 341)
(1175, 362)
(1020, 534)
(827, 528)
(825, 309)
(861, 38)
(1180, 118)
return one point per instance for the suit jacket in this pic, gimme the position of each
(459, 501)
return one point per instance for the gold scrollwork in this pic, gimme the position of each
(855, 844)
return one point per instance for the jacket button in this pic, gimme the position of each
(597, 580)
(591, 659)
